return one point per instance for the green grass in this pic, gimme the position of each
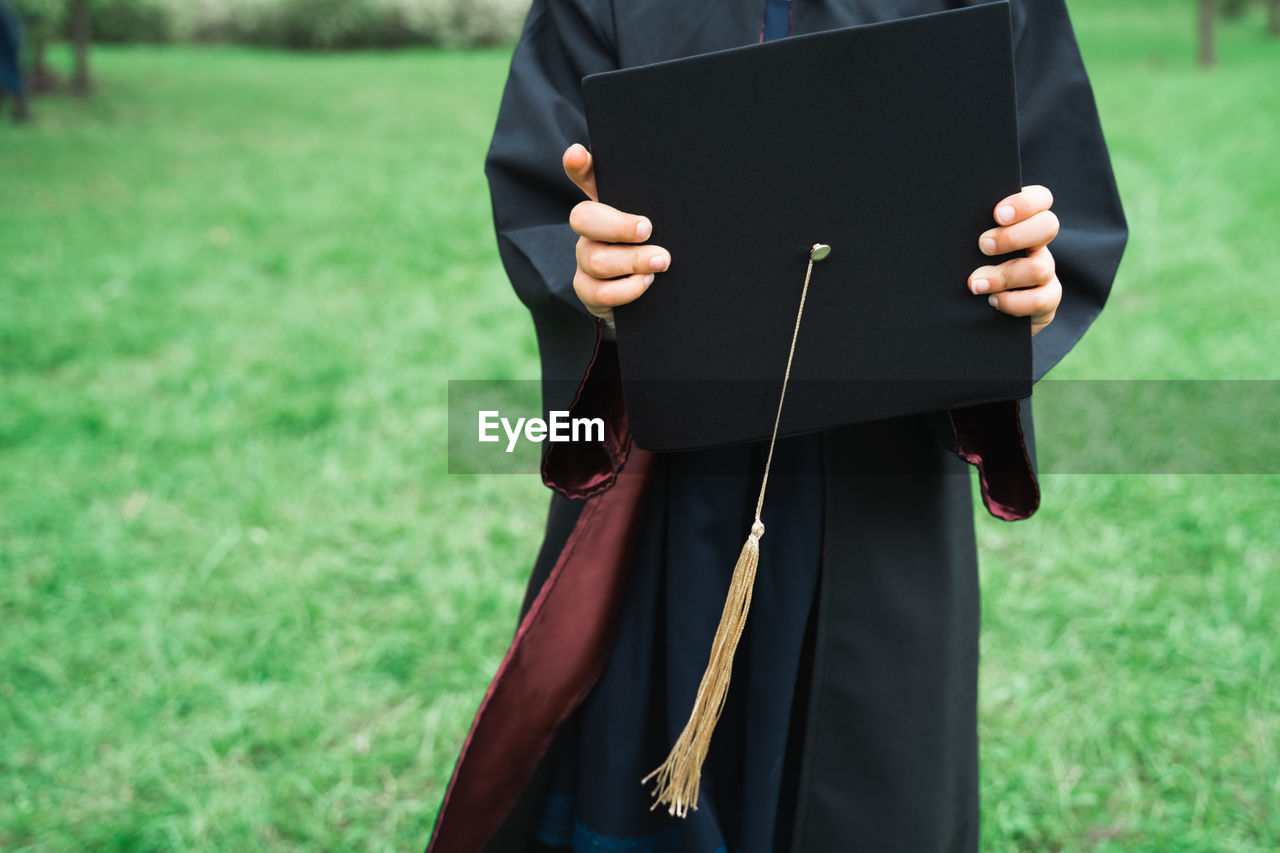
(1131, 680)
(244, 607)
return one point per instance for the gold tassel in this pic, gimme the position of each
(677, 780)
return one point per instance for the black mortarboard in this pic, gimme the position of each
(891, 143)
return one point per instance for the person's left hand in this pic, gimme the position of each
(1026, 286)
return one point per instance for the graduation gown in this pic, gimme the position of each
(851, 723)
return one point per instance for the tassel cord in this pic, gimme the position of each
(786, 378)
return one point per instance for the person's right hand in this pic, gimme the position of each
(615, 265)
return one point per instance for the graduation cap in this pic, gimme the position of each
(822, 198)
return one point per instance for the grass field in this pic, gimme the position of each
(244, 607)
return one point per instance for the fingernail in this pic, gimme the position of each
(1005, 214)
(643, 229)
(648, 280)
(992, 301)
(988, 245)
(980, 285)
(658, 263)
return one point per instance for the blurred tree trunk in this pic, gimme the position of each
(80, 82)
(1208, 8)
(42, 77)
(1234, 8)
(1273, 17)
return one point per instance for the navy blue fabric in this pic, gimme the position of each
(777, 20)
(700, 511)
(10, 51)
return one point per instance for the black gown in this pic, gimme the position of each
(851, 719)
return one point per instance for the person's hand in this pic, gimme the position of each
(614, 264)
(1026, 286)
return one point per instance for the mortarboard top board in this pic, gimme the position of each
(890, 142)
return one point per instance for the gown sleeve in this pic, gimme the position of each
(1062, 148)
(540, 116)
